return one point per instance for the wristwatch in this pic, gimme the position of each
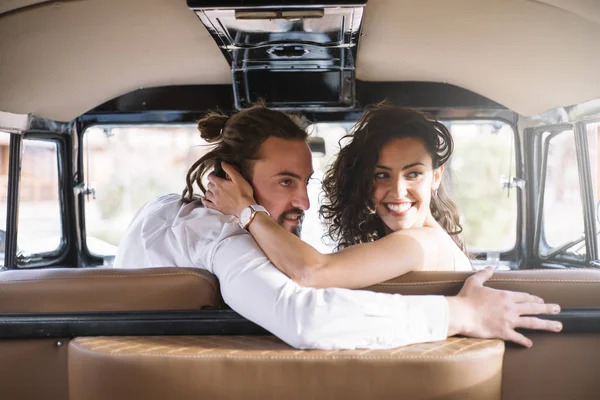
(247, 215)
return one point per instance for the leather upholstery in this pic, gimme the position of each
(213, 367)
(107, 289)
(567, 287)
(33, 369)
(558, 367)
(169, 288)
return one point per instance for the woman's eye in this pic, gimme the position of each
(414, 174)
(381, 175)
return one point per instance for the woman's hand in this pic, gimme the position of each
(230, 196)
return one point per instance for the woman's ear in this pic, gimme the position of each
(437, 177)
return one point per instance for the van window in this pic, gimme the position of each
(481, 176)
(561, 197)
(125, 167)
(40, 225)
(477, 177)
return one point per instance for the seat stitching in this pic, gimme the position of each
(449, 343)
(472, 345)
(287, 357)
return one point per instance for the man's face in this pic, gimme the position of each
(280, 177)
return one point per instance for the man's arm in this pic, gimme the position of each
(347, 319)
(321, 318)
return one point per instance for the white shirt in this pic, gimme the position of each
(166, 232)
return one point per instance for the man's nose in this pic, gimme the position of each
(301, 199)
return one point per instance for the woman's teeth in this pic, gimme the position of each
(398, 207)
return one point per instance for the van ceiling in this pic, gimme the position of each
(60, 59)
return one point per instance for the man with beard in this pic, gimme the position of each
(270, 151)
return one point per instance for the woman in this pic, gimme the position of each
(407, 150)
(386, 205)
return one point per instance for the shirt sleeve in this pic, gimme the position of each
(309, 318)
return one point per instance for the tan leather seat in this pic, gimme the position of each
(107, 289)
(215, 367)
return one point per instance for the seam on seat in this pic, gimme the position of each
(457, 355)
(111, 277)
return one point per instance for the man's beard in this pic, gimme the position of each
(296, 230)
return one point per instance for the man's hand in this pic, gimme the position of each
(482, 312)
(230, 196)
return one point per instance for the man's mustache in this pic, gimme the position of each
(293, 211)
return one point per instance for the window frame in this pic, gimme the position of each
(539, 168)
(58, 256)
(12, 200)
(513, 255)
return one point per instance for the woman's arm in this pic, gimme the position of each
(356, 267)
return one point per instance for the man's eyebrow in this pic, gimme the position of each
(291, 175)
(403, 168)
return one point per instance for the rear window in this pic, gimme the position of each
(125, 166)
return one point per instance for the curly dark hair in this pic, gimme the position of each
(348, 207)
(237, 139)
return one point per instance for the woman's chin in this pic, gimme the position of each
(393, 226)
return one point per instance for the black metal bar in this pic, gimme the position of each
(12, 211)
(213, 322)
(577, 319)
(188, 103)
(587, 193)
(531, 149)
(205, 322)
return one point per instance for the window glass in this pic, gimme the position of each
(593, 139)
(127, 166)
(40, 226)
(484, 154)
(313, 229)
(477, 178)
(4, 153)
(562, 209)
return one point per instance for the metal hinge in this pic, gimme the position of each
(83, 189)
(512, 182)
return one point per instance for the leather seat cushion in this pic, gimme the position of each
(107, 289)
(213, 367)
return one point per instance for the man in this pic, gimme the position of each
(271, 152)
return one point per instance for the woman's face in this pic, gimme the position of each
(402, 184)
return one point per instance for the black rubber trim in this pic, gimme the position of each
(140, 323)
(578, 320)
(205, 322)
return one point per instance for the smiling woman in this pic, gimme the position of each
(389, 178)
